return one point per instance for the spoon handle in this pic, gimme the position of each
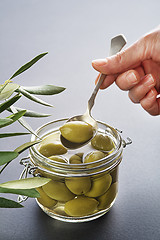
(117, 43)
(92, 98)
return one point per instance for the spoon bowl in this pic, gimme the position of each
(84, 118)
(117, 43)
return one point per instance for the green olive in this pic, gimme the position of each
(99, 185)
(81, 206)
(57, 159)
(53, 148)
(114, 174)
(106, 199)
(79, 154)
(77, 131)
(75, 161)
(78, 185)
(102, 142)
(51, 138)
(58, 191)
(94, 156)
(76, 158)
(59, 209)
(44, 199)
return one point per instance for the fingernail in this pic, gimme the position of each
(151, 94)
(149, 81)
(131, 78)
(99, 62)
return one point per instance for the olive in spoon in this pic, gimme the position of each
(85, 124)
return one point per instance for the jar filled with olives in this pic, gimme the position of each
(84, 181)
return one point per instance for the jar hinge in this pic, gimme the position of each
(28, 169)
(124, 143)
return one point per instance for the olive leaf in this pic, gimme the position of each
(5, 121)
(4, 135)
(44, 89)
(24, 123)
(8, 90)
(9, 102)
(17, 115)
(7, 203)
(7, 156)
(25, 146)
(33, 193)
(2, 86)
(27, 126)
(28, 65)
(26, 183)
(30, 113)
(33, 98)
(11, 119)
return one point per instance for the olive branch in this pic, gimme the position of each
(10, 93)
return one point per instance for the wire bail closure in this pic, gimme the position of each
(128, 142)
(28, 169)
(124, 143)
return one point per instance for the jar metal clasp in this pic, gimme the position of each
(126, 142)
(28, 169)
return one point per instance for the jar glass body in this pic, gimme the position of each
(78, 192)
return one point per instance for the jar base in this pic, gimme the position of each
(66, 218)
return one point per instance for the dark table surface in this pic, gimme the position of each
(74, 33)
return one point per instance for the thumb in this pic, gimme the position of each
(122, 61)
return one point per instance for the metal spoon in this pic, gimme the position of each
(117, 43)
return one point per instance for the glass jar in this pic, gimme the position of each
(78, 192)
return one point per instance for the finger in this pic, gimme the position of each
(151, 103)
(128, 80)
(152, 67)
(107, 81)
(97, 78)
(140, 70)
(123, 60)
(142, 88)
(124, 81)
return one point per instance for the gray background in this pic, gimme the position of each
(74, 33)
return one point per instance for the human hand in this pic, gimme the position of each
(136, 69)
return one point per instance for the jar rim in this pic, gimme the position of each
(42, 161)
